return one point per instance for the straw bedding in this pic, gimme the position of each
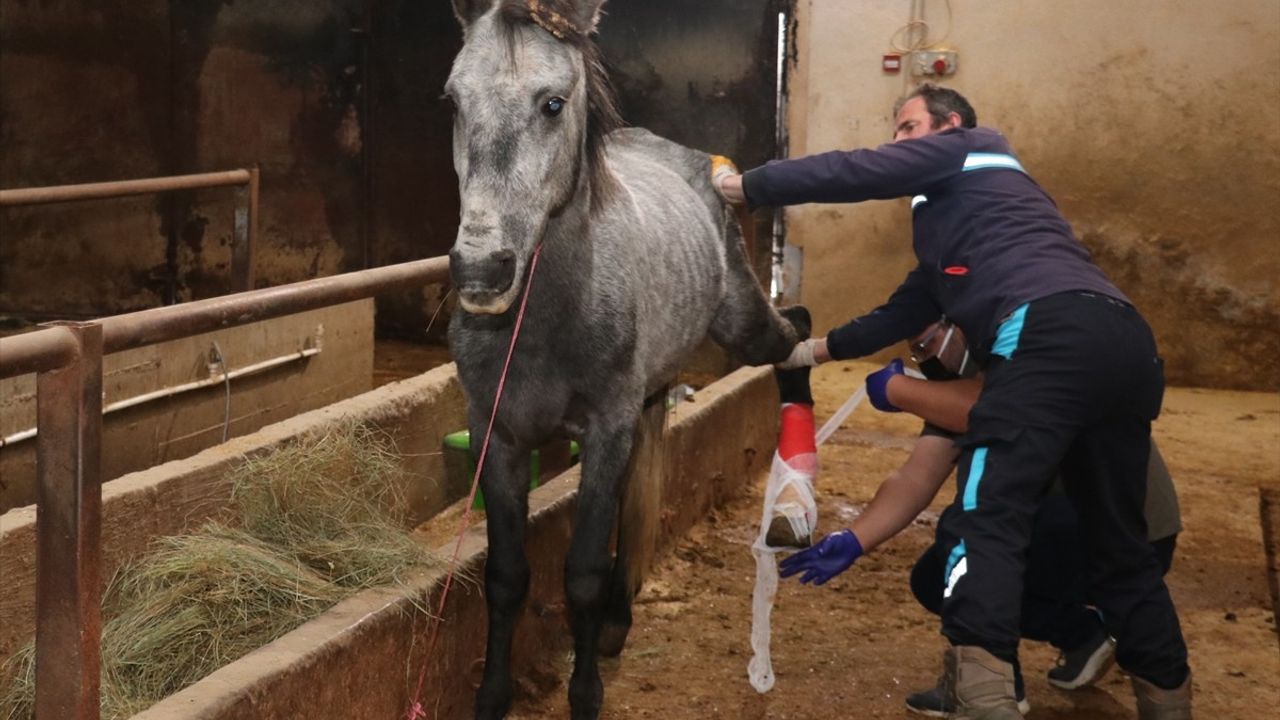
(308, 525)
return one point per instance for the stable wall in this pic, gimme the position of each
(177, 496)
(338, 363)
(1149, 122)
(337, 102)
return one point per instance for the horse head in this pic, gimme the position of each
(531, 109)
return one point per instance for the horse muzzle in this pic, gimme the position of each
(484, 280)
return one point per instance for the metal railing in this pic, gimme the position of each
(244, 222)
(67, 357)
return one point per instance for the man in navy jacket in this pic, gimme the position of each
(1072, 380)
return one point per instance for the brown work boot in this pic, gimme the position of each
(980, 685)
(1156, 703)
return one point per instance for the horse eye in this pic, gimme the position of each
(553, 106)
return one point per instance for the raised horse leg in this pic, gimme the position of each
(606, 451)
(745, 323)
(505, 481)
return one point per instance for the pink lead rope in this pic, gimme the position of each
(416, 710)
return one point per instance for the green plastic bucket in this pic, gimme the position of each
(460, 464)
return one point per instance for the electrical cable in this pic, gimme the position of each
(918, 24)
(226, 382)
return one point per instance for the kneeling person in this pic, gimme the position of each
(1054, 606)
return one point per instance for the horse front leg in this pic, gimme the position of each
(606, 450)
(506, 574)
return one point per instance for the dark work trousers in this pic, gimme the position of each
(1076, 390)
(1055, 589)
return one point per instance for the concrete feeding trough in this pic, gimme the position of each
(362, 657)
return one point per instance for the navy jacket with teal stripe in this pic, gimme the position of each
(987, 238)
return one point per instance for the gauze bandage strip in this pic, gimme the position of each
(795, 465)
(792, 498)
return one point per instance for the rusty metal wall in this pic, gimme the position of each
(702, 74)
(336, 100)
(95, 92)
(415, 209)
(84, 95)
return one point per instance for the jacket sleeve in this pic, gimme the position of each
(908, 311)
(889, 171)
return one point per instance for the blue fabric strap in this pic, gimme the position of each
(1009, 332)
(976, 466)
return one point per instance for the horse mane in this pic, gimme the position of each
(602, 105)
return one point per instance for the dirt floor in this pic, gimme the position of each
(857, 647)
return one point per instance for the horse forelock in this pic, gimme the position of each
(556, 18)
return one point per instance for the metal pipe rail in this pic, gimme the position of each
(122, 188)
(244, 222)
(67, 358)
(38, 351)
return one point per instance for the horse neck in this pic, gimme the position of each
(566, 240)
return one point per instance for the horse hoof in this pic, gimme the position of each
(613, 638)
(782, 535)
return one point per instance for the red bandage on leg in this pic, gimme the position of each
(797, 434)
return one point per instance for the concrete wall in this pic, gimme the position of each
(171, 498)
(1150, 123)
(166, 429)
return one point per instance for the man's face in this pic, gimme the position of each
(941, 351)
(914, 121)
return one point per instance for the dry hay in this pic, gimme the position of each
(314, 522)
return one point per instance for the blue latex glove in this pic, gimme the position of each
(832, 555)
(878, 386)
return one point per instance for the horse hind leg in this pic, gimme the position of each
(745, 323)
(758, 334)
(793, 385)
(638, 524)
(617, 613)
(790, 525)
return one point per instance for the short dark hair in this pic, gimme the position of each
(941, 102)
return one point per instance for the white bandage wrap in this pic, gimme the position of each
(801, 356)
(803, 515)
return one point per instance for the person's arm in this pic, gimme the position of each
(908, 491)
(945, 403)
(897, 502)
(893, 170)
(907, 311)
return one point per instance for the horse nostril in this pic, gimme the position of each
(503, 258)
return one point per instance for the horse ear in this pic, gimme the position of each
(468, 10)
(589, 12)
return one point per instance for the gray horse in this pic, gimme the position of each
(639, 261)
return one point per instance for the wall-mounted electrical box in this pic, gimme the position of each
(933, 62)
